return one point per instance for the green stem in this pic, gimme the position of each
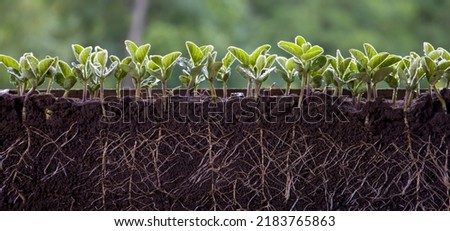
(407, 100)
(374, 89)
(440, 98)
(302, 90)
(119, 88)
(288, 88)
(369, 90)
(359, 101)
(102, 92)
(394, 95)
(66, 93)
(249, 88)
(224, 90)
(257, 89)
(212, 90)
(50, 85)
(448, 84)
(137, 93)
(164, 88)
(84, 96)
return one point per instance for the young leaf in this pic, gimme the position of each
(228, 60)
(390, 60)
(101, 58)
(443, 65)
(370, 50)
(377, 59)
(69, 82)
(245, 72)
(9, 62)
(428, 64)
(84, 55)
(77, 49)
(299, 40)
(359, 57)
(427, 48)
(156, 62)
(44, 65)
(141, 53)
(257, 52)
(195, 53)
(312, 53)
(170, 59)
(291, 48)
(65, 68)
(381, 74)
(131, 47)
(242, 56)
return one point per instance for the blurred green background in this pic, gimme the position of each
(49, 27)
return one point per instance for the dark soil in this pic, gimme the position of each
(239, 154)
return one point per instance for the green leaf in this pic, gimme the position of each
(443, 65)
(390, 60)
(228, 60)
(213, 69)
(291, 48)
(362, 76)
(84, 55)
(283, 75)
(69, 82)
(261, 50)
(376, 60)
(299, 40)
(260, 62)
(130, 70)
(265, 75)
(435, 77)
(370, 50)
(381, 74)
(319, 63)
(291, 65)
(245, 72)
(427, 48)
(59, 79)
(33, 63)
(185, 79)
(282, 62)
(156, 62)
(9, 62)
(170, 59)
(402, 75)
(141, 53)
(45, 65)
(434, 55)
(312, 53)
(131, 47)
(206, 49)
(270, 60)
(101, 57)
(77, 49)
(428, 64)
(195, 53)
(359, 57)
(242, 56)
(392, 81)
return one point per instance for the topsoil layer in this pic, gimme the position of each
(239, 154)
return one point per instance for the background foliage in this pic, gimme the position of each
(51, 26)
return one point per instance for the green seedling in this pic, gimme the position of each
(288, 71)
(340, 71)
(160, 68)
(410, 73)
(65, 77)
(101, 70)
(373, 67)
(82, 69)
(36, 71)
(211, 72)
(225, 72)
(435, 66)
(393, 82)
(16, 76)
(119, 72)
(251, 68)
(137, 68)
(305, 55)
(193, 66)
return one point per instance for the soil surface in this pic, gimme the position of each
(240, 154)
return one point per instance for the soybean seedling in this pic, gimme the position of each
(82, 69)
(305, 55)
(16, 76)
(193, 66)
(435, 66)
(373, 67)
(101, 70)
(288, 71)
(137, 67)
(410, 74)
(225, 72)
(120, 73)
(160, 67)
(247, 67)
(340, 71)
(65, 77)
(211, 71)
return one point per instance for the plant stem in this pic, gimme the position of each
(137, 93)
(224, 90)
(302, 90)
(374, 89)
(257, 88)
(50, 85)
(190, 86)
(249, 88)
(84, 97)
(212, 90)
(440, 98)
(394, 95)
(164, 88)
(359, 101)
(288, 88)
(102, 92)
(406, 100)
(119, 88)
(369, 90)
(448, 84)
(66, 93)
